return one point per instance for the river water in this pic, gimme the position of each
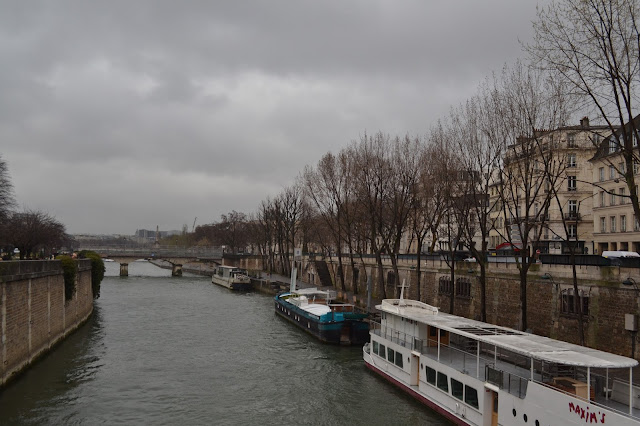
(162, 350)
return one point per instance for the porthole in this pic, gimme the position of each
(514, 412)
(537, 423)
(524, 417)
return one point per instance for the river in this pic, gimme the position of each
(162, 350)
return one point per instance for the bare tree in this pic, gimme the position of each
(326, 188)
(33, 231)
(526, 102)
(402, 179)
(372, 188)
(427, 205)
(593, 46)
(7, 200)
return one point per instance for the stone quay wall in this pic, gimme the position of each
(604, 326)
(34, 314)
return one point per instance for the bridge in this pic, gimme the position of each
(177, 256)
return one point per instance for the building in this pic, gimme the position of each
(615, 225)
(546, 184)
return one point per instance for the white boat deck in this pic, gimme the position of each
(515, 378)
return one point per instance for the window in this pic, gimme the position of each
(571, 183)
(602, 203)
(573, 230)
(399, 359)
(571, 140)
(431, 376)
(613, 144)
(568, 302)
(623, 223)
(612, 196)
(571, 160)
(457, 389)
(381, 351)
(636, 167)
(573, 207)
(601, 174)
(463, 287)
(623, 198)
(443, 383)
(390, 355)
(471, 396)
(612, 172)
(444, 285)
(603, 224)
(612, 220)
(375, 347)
(636, 224)
(621, 168)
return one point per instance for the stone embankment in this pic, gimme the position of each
(34, 314)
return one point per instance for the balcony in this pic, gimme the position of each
(572, 216)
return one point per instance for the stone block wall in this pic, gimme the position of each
(609, 299)
(34, 314)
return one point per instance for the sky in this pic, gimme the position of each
(121, 115)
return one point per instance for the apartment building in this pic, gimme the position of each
(559, 174)
(615, 225)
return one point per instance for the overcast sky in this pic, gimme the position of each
(122, 115)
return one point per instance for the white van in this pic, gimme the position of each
(619, 253)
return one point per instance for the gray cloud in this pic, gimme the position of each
(121, 115)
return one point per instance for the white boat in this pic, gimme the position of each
(475, 373)
(232, 278)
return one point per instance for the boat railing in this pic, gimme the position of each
(512, 383)
(396, 336)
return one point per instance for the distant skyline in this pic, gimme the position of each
(120, 115)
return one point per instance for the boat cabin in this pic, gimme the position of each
(224, 271)
(495, 358)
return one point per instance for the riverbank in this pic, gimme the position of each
(35, 315)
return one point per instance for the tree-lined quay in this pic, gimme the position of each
(500, 170)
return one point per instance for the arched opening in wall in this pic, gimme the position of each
(391, 278)
(463, 288)
(444, 285)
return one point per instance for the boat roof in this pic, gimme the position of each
(527, 344)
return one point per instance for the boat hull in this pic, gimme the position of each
(344, 332)
(435, 407)
(235, 285)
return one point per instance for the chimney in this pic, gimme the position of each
(584, 122)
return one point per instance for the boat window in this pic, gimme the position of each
(457, 389)
(382, 351)
(431, 376)
(375, 347)
(443, 383)
(433, 331)
(471, 396)
(390, 355)
(399, 359)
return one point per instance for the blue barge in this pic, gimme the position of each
(312, 311)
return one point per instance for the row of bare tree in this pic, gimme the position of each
(32, 232)
(387, 195)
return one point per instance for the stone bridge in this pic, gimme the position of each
(177, 256)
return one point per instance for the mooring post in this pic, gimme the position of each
(176, 270)
(124, 269)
